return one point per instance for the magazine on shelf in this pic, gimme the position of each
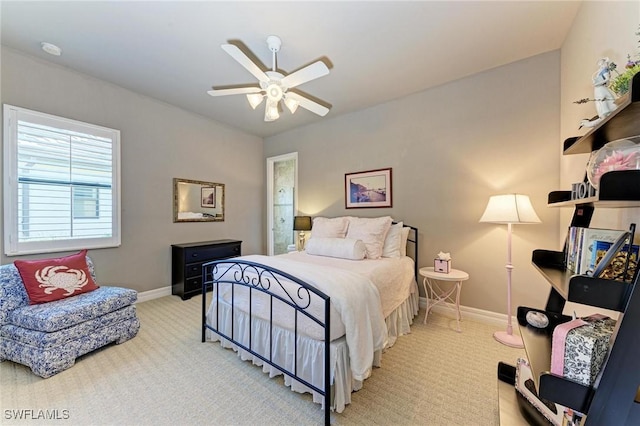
(588, 238)
(580, 249)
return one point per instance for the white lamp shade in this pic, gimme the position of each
(510, 208)
(292, 104)
(271, 111)
(255, 99)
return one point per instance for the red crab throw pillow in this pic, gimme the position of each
(52, 279)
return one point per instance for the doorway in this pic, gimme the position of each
(282, 201)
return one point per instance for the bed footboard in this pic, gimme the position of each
(241, 285)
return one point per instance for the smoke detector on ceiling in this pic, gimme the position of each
(51, 49)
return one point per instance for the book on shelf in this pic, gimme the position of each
(580, 246)
(572, 250)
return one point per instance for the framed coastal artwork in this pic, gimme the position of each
(208, 197)
(368, 189)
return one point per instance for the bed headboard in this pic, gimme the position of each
(412, 241)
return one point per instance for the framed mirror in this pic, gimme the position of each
(197, 201)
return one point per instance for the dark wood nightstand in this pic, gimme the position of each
(187, 260)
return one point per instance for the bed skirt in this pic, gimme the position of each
(310, 352)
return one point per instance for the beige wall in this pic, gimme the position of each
(158, 142)
(450, 148)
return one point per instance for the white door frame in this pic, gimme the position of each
(270, 195)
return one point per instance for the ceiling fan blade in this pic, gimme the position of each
(308, 73)
(234, 91)
(244, 60)
(308, 104)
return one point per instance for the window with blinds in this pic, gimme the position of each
(61, 183)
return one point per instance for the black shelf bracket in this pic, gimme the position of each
(566, 392)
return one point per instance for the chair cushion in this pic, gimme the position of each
(55, 278)
(44, 340)
(70, 311)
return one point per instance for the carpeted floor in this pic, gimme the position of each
(166, 376)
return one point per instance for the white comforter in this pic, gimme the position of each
(393, 277)
(353, 296)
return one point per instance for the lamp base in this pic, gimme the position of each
(505, 338)
(301, 241)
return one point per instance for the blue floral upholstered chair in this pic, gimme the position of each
(48, 337)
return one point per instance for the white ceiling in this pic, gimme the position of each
(377, 51)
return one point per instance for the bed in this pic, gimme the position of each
(323, 316)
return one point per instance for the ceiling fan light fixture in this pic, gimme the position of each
(274, 92)
(271, 111)
(273, 85)
(255, 99)
(291, 104)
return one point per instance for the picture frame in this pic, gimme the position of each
(368, 189)
(208, 197)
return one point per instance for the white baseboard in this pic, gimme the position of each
(487, 317)
(154, 294)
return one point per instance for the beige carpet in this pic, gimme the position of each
(165, 375)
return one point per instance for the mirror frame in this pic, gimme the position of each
(177, 181)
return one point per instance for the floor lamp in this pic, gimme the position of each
(509, 209)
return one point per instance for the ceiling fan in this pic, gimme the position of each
(273, 85)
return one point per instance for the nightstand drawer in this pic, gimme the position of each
(203, 254)
(193, 269)
(193, 284)
(187, 260)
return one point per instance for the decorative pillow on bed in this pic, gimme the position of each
(372, 231)
(343, 248)
(403, 243)
(329, 227)
(46, 280)
(393, 241)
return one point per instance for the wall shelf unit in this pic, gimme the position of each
(621, 123)
(618, 189)
(616, 400)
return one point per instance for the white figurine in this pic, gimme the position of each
(602, 95)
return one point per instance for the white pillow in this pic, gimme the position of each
(403, 243)
(372, 231)
(329, 227)
(393, 241)
(343, 248)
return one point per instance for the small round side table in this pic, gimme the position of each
(433, 283)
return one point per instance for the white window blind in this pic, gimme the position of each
(61, 183)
